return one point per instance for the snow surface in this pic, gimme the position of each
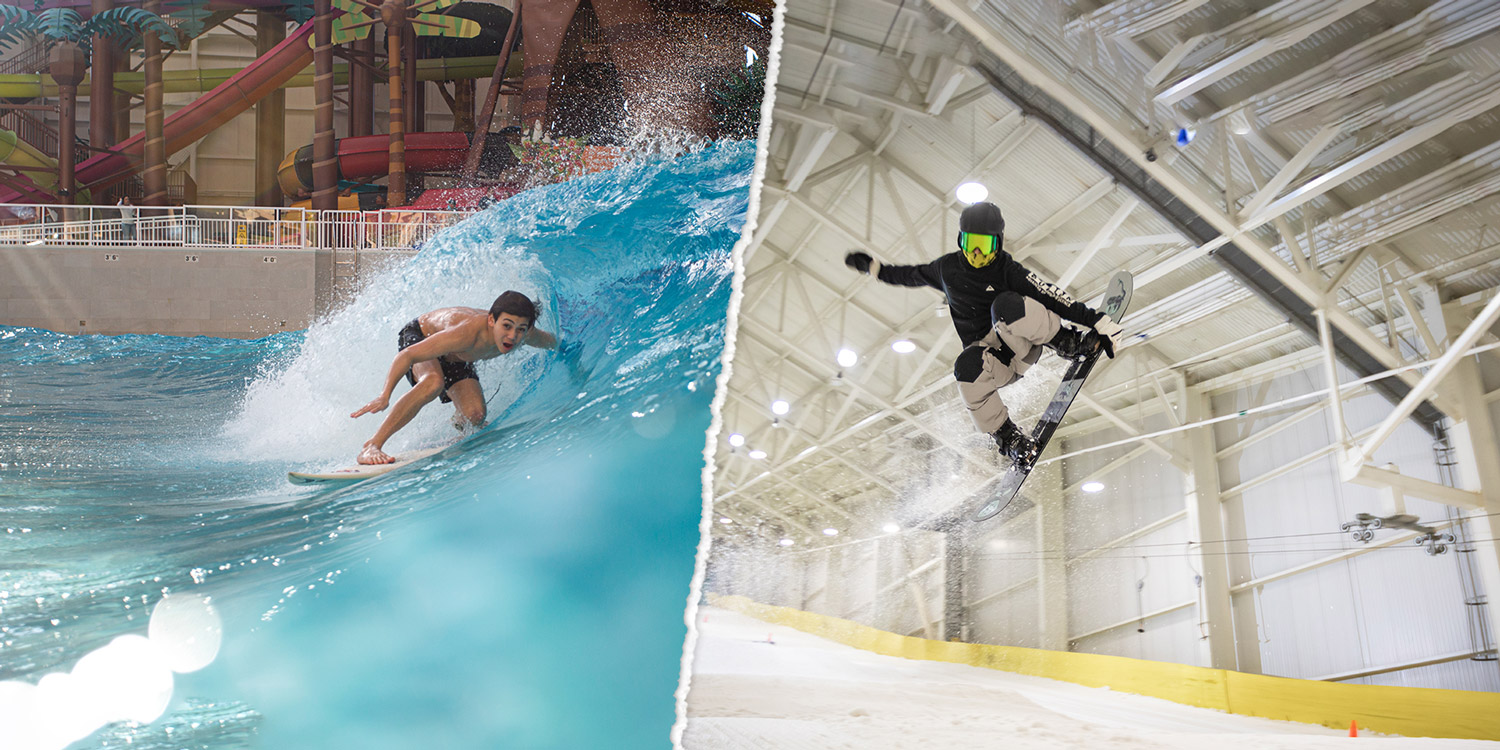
(770, 687)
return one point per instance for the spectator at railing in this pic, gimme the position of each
(127, 218)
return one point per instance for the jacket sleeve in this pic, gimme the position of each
(926, 274)
(1052, 296)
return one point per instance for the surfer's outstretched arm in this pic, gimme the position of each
(540, 339)
(432, 347)
(429, 385)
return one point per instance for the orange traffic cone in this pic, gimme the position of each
(1353, 729)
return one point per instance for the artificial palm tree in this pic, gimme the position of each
(398, 15)
(69, 39)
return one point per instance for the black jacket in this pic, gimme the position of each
(971, 291)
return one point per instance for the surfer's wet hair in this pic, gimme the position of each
(516, 304)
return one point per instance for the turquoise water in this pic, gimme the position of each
(524, 589)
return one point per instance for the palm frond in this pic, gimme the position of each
(128, 26)
(190, 16)
(59, 25)
(300, 11)
(426, 24)
(15, 24)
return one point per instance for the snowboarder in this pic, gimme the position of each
(1004, 315)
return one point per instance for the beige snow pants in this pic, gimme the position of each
(1022, 325)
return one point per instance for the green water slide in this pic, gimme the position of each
(15, 152)
(33, 85)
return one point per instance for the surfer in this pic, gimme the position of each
(437, 352)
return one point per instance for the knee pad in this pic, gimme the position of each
(1007, 308)
(969, 364)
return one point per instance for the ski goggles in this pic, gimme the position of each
(980, 249)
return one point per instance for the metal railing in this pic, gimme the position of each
(41, 135)
(227, 227)
(31, 58)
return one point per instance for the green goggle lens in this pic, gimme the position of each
(978, 246)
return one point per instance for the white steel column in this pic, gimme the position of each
(1045, 488)
(1206, 521)
(1477, 449)
(1244, 607)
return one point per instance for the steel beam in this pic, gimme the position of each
(1050, 101)
(1440, 370)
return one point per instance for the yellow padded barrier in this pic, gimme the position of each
(1411, 712)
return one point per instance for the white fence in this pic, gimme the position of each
(220, 227)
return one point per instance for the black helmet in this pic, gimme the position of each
(982, 218)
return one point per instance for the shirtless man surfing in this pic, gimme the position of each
(437, 352)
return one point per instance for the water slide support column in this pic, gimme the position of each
(548, 22)
(120, 101)
(67, 65)
(362, 89)
(393, 13)
(270, 117)
(155, 150)
(487, 115)
(325, 195)
(102, 86)
(409, 83)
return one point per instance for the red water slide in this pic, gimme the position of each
(267, 73)
(366, 156)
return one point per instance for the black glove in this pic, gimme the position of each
(859, 261)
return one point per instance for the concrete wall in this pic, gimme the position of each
(181, 291)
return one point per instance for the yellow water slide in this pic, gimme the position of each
(15, 152)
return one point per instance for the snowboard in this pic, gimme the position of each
(1116, 298)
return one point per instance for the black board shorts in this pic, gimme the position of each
(453, 370)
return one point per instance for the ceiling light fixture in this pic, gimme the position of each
(890, 528)
(830, 532)
(847, 357)
(786, 542)
(757, 454)
(903, 347)
(1092, 487)
(736, 440)
(780, 407)
(971, 193)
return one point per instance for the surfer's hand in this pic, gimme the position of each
(377, 405)
(862, 262)
(1110, 335)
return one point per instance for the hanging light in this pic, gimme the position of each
(757, 454)
(786, 542)
(736, 440)
(971, 193)
(847, 357)
(903, 347)
(780, 407)
(1092, 487)
(890, 528)
(830, 532)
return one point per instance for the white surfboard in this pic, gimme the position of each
(360, 472)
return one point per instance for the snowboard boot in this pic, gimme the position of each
(1015, 445)
(1071, 343)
